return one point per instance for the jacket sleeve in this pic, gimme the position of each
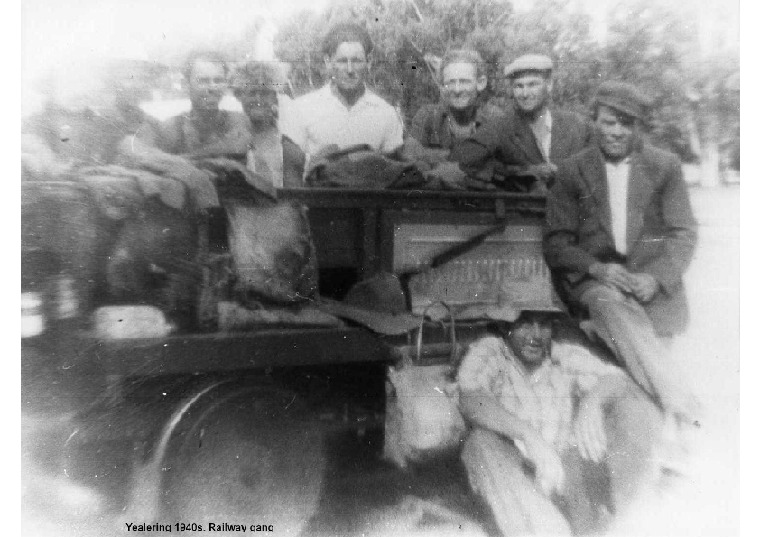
(563, 220)
(680, 233)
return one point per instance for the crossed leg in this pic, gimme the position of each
(625, 327)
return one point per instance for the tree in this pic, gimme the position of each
(658, 45)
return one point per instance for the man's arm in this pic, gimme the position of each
(680, 234)
(478, 373)
(589, 425)
(394, 140)
(484, 410)
(563, 220)
(293, 127)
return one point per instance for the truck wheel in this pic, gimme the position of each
(248, 456)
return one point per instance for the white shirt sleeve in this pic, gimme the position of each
(291, 123)
(395, 137)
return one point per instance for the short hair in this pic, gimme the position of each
(346, 32)
(464, 56)
(203, 55)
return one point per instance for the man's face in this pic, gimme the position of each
(206, 85)
(531, 91)
(530, 338)
(348, 66)
(461, 85)
(259, 103)
(616, 132)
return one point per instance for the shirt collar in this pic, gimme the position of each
(480, 114)
(366, 98)
(545, 119)
(625, 162)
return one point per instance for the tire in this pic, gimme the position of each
(248, 455)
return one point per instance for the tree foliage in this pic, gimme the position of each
(652, 43)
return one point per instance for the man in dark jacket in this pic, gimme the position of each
(620, 234)
(533, 138)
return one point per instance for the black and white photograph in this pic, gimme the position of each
(379, 268)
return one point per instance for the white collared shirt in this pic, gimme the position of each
(542, 130)
(320, 119)
(617, 186)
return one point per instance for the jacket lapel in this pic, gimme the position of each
(560, 138)
(639, 193)
(522, 137)
(596, 176)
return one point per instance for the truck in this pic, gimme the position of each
(193, 427)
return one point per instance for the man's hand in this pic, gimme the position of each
(545, 170)
(549, 472)
(589, 429)
(612, 274)
(644, 286)
(449, 174)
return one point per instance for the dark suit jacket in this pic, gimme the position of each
(661, 230)
(511, 141)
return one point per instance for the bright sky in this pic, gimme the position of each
(54, 30)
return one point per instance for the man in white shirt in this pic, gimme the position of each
(620, 234)
(345, 112)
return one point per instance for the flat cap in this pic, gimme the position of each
(623, 97)
(529, 62)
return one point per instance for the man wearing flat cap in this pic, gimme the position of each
(619, 235)
(533, 137)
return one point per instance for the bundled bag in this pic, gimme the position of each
(273, 255)
(361, 167)
(422, 417)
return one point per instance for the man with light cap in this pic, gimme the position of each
(533, 137)
(619, 236)
(559, 439)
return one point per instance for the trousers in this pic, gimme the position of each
(625, 327)
(499, 473)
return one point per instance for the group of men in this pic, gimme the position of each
(619, 235)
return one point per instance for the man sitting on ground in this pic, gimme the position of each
(549, 428)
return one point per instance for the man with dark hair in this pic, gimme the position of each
(345, 112)
(559, 439)
(206, 130)
(533, 137)
(257, 85)
(620, 233)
